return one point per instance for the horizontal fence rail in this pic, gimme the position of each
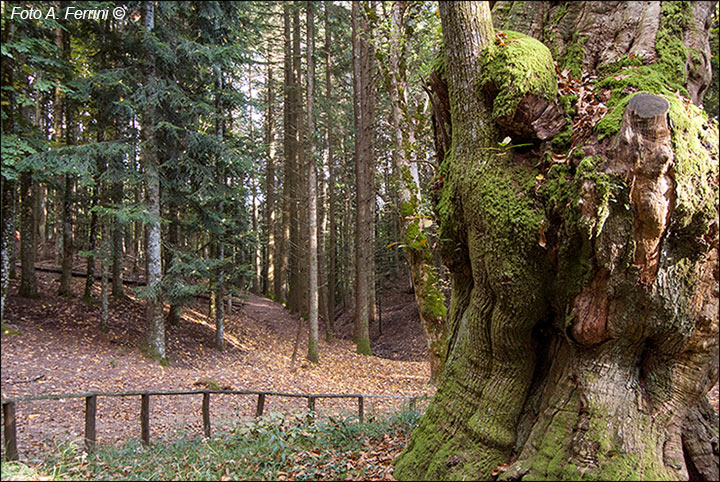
(10, 423)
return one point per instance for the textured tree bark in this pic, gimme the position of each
(288, 186)
(28, 251)
(8, 187)
(117, 245)
(8, 213)
(428, 296)
(332, 237)
(364, 113)
(65, 288)
(312, 225)
(270, 208)
(175, 312)
(584, 305)
(93, 232)
(301, 242)
(294, 161)
(219, 304)
(59, 109)
(154, 306)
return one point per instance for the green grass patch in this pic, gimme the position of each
(273, 447)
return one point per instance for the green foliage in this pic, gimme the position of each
(311, 448)
(4, 330)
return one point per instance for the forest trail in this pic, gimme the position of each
(59, 348)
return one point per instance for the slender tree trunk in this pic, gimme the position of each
(155, 318)
(301, 256)
(348, 260)
(329, 135)
(288, 270)
(212, 300)
(8, 186)
(28, 282)
(137, 234)
(92, 242)
(313, 341)
(257, 270)
(270, 208)
(175, 312)
(67, 259)
(364, 117)
(8, 236)
(104, 286)
(62, 40)
(219, 305)
(428, 295)
(117, 244)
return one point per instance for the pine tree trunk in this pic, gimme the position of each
(584, 332)
(332, 236)
(92, 243)
(364, 118)
(312, 225)
(8, 187)
(301, 288)
(8, 237)
(154, 307)
(175, 312)
(28, 251)
(137, 234)
(67, 258)
(283, 238)
(219, 305)
(291, 159)
(270, 208)
(117, 245)
(104, 288)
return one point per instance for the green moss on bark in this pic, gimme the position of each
(695, 145)
(672, 53)
(573, 56)
(363, 347)
(523, 66)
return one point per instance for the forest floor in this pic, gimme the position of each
(55, 345)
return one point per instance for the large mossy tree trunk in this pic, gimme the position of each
(584, 264)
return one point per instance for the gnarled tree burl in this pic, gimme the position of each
(584, 310)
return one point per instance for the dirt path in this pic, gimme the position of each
(59, 342)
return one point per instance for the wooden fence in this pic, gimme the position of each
(10, 425)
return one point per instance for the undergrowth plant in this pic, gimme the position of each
(273, 447)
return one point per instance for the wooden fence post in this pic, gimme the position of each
(311, 403)
(260, 405)
(10, 428)
(145, 418)
(361, 408)
(90, 410)
(206, 414)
